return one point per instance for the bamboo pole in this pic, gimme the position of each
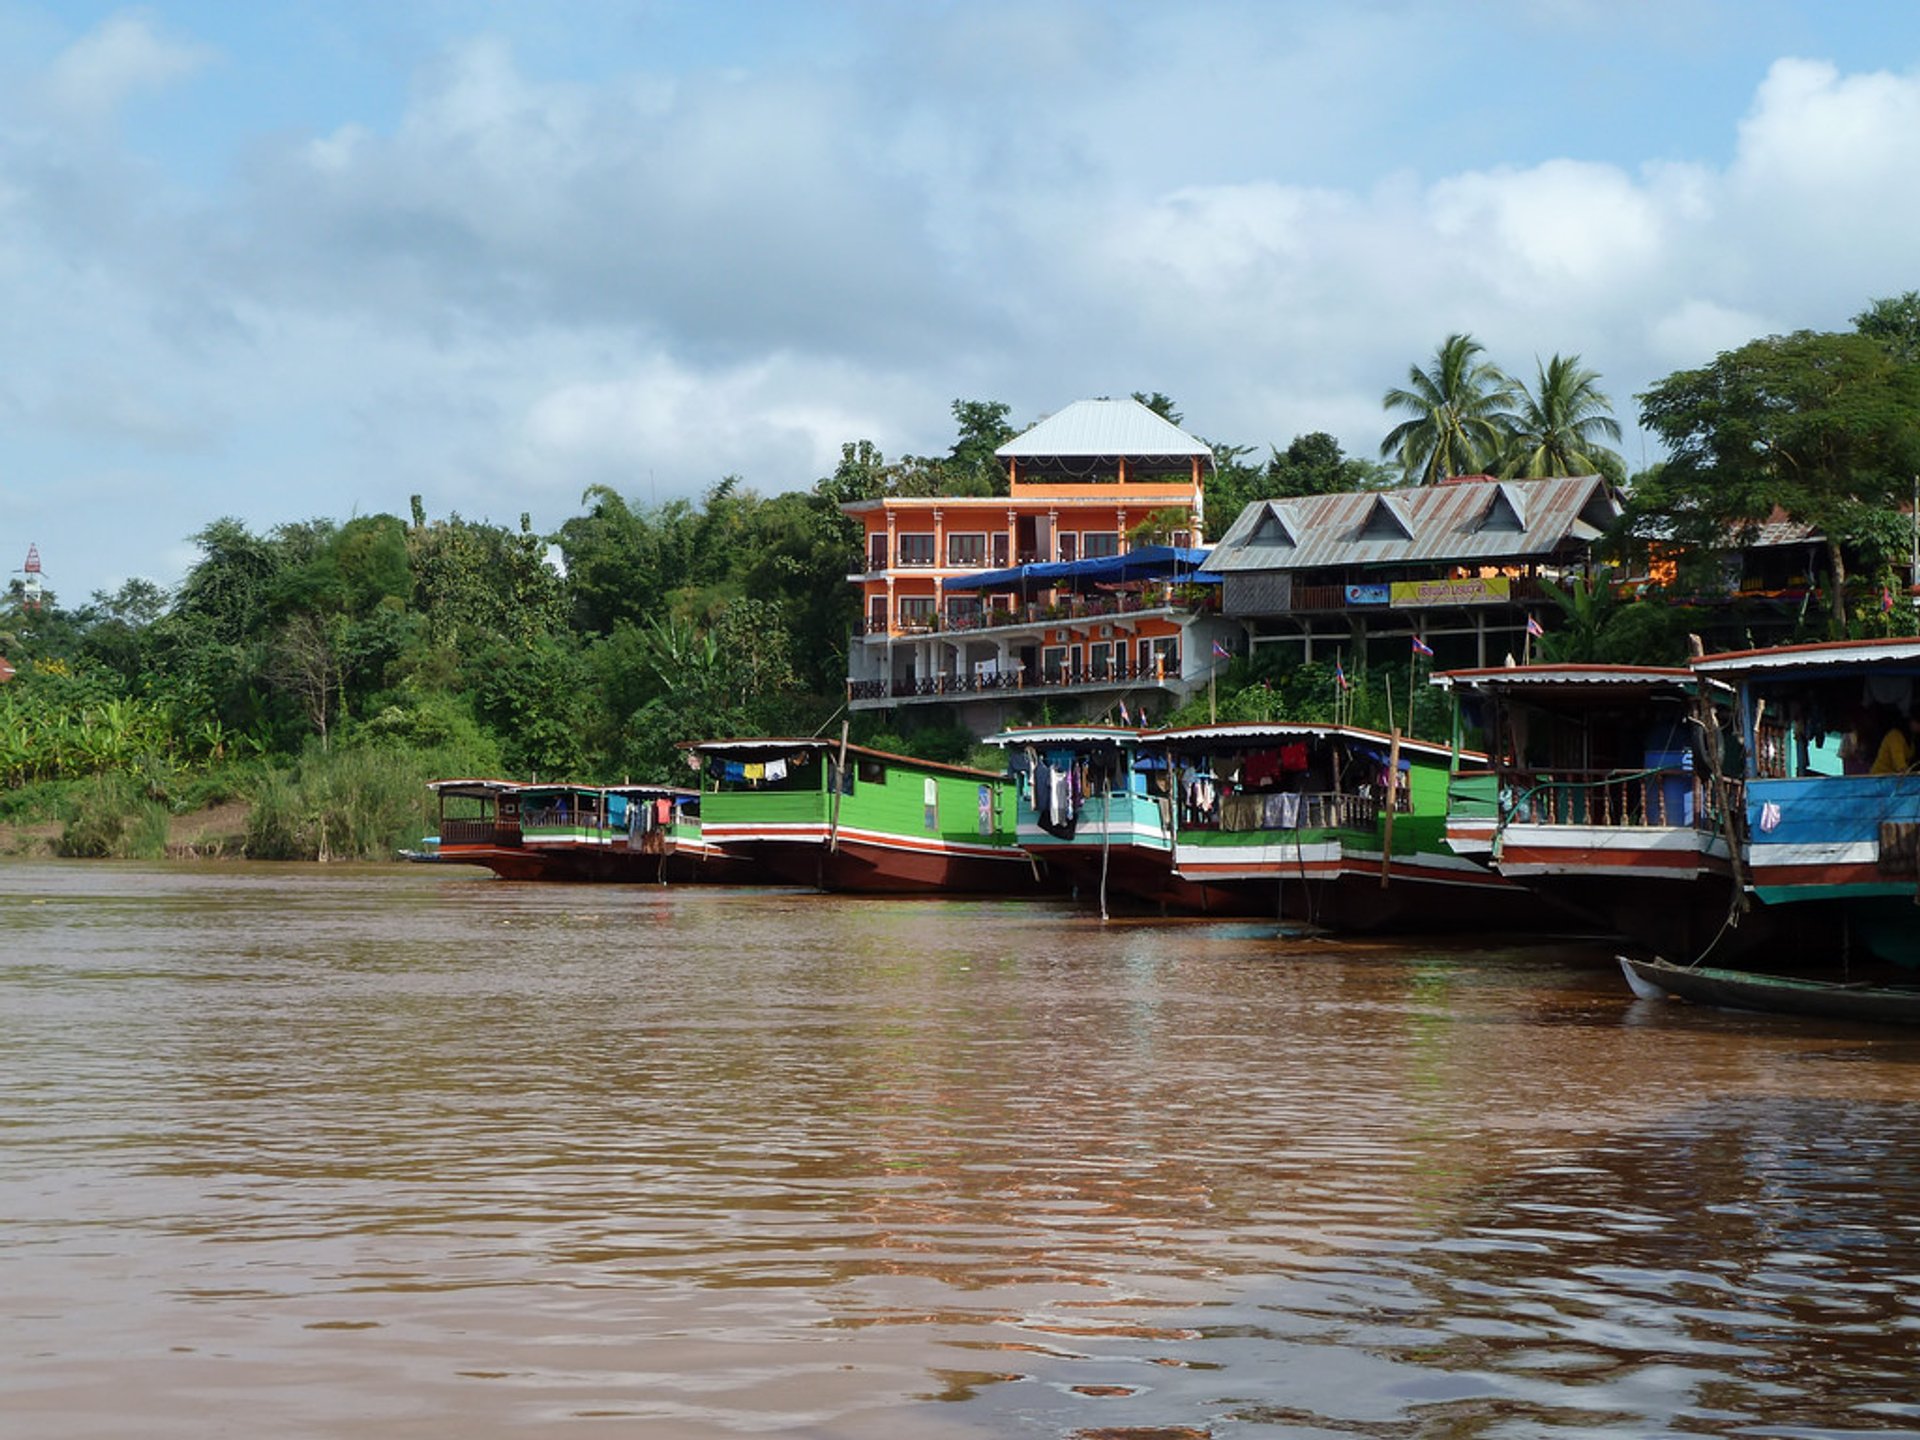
(1393, 787)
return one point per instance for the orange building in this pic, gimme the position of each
(956, 607)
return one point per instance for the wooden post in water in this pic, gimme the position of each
(838, 777)
(1393, 789)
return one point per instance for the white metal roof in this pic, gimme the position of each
(1064, 735)
(1103, 427)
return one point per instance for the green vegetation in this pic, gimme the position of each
(324, 670)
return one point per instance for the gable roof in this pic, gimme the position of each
(1431, 523)
(1098, 428)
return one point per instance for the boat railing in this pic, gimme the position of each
(478, 832)
(1277, 811)
(1673, 797)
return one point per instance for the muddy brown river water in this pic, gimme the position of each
(415, 1153)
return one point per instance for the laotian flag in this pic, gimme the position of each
(1221, 652)
(1420, 647)
(1340, 676)
(1886, 600)
(1533, 626)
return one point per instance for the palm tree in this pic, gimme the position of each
(1557, 429)
(1460, 418)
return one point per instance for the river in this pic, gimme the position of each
(386, 1152)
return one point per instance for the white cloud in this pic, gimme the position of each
(125, 56)
(521, 285)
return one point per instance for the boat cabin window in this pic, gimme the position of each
(1811, 725)
(871, 772)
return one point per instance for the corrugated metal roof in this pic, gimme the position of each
(1566, 675)
(1456, 523)
(1898, 651)
(1090, 428)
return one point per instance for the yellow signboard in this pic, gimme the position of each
(1423, 594)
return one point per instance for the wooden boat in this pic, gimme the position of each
(1327, 824)
(480, 825)
(631, 833)
(1600, 794)
(1093, 809)
(1775, 994)
(1830, 852)
(845, 817)
(628, 833)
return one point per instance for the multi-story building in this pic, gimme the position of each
(984, 602)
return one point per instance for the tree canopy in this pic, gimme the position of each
(1823, 428)
(1459, 411)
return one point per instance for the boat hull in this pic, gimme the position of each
(863, 862)
(1745, 990)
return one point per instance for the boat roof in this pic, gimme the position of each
(1586, 680)
(777, 745)
(1278, 732)
(1898, 652)
(649, 792)
(472, 786)
(1065, 735)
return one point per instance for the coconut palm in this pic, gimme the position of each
(1557, 428)
(1459, 414)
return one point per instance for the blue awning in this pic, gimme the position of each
(1144, 562)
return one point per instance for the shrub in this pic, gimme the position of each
(360, 804)
(113, 818)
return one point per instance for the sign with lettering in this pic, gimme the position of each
(1369, 594)
(1421, 594)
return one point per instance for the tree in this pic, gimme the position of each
(1459, 416)
(973, 467)
(1895, 323)
(1312, 464)
(1823, 427)
(1557, 428)
(1161, 405)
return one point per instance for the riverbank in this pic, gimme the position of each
(216, 832)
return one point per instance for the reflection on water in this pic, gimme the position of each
(416, 1153)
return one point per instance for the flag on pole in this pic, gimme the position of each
(1340, 676)
(1420, 647)
(1123, 713)
(1886, 600)
(1221, 652)
(1533, 626)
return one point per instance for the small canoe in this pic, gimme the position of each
(1775, 994)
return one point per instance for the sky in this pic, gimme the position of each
(308, 258)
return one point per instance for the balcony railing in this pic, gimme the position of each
(1080, 607)
(1607, 798)
(1001, 681)
(479, 832)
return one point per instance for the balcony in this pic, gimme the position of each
(932, 687)
(1037, 613)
